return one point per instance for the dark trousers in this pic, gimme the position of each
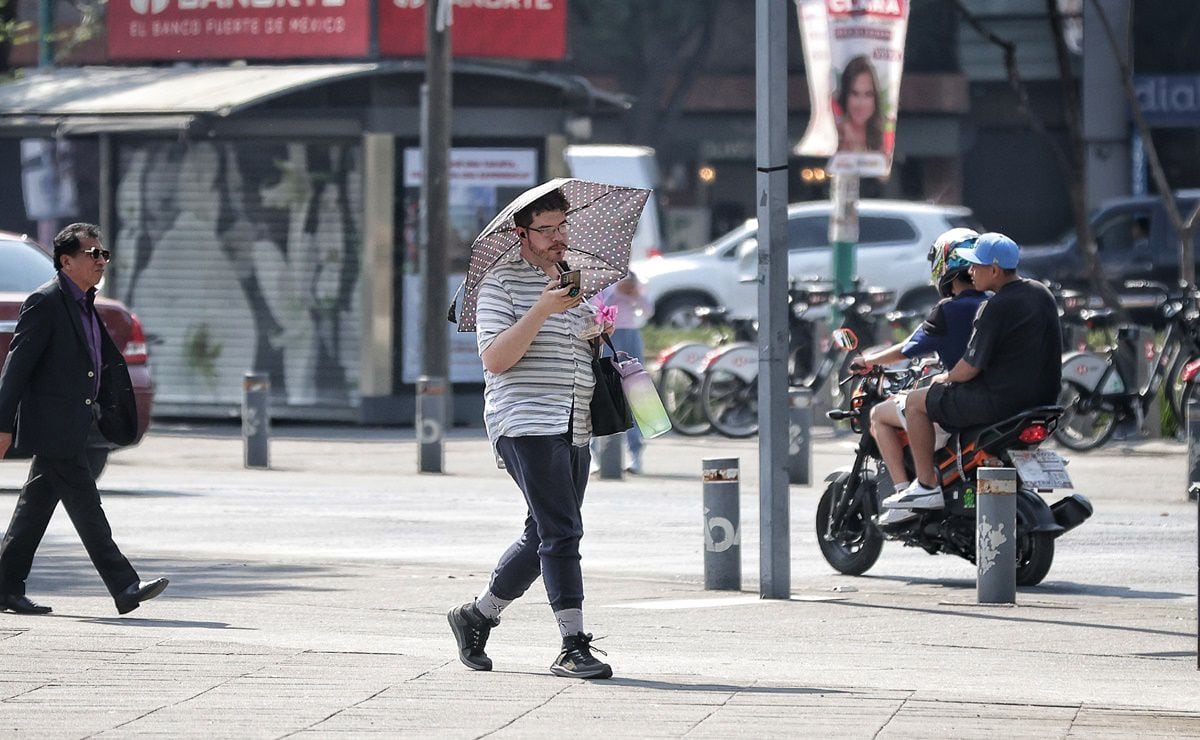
(552, 473)
(68, 480)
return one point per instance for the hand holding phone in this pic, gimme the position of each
(572, 279)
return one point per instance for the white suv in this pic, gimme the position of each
(894, 239)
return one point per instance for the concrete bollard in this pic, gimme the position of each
(800, 418)
(256, 420)
(1193, 430)
(609, 453)
(431, 423)
(722, 536)
(996, 533)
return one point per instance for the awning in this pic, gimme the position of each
(79, 100)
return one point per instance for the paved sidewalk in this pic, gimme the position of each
(311, 598)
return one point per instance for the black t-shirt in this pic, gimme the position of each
(1017, 347)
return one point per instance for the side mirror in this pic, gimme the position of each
(845, 339)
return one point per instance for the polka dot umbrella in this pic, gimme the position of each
(602, 217)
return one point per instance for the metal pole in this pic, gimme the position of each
(722, 534)
(1193, 427)
(435, 195)
(800, 436)
(46, 32)
(256, 420)
(996, 529)
(843, 232)
(608, 452)
(431, 424)
(771, 157)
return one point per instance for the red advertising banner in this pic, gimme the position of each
(237, 29)
(515, 29)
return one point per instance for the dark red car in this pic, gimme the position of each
(24, 267)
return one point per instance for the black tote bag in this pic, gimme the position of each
(610, 409)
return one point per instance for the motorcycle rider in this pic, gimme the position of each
(944, 332)
(1013, 362)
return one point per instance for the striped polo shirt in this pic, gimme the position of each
(550, 385)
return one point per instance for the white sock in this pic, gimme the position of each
(490, 606)
(570, 621)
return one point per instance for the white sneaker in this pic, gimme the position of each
(916, 496)
(895, 516)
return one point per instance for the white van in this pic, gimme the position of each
(633, 166)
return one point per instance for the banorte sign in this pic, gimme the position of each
(294, 29)
(237, 29)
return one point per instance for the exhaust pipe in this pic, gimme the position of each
(1071, 511)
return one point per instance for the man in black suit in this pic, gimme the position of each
(62, 375)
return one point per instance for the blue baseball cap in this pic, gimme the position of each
(993, 249)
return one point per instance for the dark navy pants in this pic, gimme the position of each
(552, 473)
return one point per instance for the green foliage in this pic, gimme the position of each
(658, 338)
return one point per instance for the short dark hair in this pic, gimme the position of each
(551, 201)
(67, 241)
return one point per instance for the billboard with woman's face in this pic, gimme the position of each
(854, 54)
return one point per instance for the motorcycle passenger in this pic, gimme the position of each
(1012, 363)
(944, 332)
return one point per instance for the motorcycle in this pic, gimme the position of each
(849, 536)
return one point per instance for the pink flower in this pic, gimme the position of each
(605, 315)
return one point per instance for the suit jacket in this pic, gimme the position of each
(47, 380)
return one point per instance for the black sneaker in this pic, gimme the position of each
(576, 660)
(471, 629)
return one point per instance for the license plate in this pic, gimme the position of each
(1041, 468)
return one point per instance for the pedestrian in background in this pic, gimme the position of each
(633, 311)
(538, 383)
(62, 377)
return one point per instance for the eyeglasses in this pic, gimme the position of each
(96, 253)
(561, 229)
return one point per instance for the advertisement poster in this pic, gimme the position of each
(513, 29)
(854, 54)
(224, 29)
(482, 181)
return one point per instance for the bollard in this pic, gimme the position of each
(1193, 432)
(722, 540)
(256, 420)
(996, 535)
(608, 452)
(800, 436)
(431, 423)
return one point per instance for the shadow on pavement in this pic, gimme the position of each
(1010, 618)
(1046, 587)
(139, 622)
(719, 688)
(105, 491)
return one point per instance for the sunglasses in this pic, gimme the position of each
(96, 253)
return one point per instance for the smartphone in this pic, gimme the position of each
(572, 278)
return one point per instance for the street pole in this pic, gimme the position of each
(771, 159)
(843, 233)
(434, 221)
(45, 32)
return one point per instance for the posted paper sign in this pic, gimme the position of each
(854, 54)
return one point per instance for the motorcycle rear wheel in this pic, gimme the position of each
(1082, 429)
(859, 543)
(1035, 554)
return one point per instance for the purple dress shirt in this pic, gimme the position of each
(91, 324)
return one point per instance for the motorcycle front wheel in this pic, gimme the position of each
(1081, 427)
(856, 546)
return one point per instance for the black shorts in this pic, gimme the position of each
(956, 406)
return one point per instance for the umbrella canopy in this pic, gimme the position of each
(602, 217)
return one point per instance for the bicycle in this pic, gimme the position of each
(729, 391)
(681, 369)
(1100, 390)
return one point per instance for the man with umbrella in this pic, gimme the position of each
(533, 340)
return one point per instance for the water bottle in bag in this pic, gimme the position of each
(643, 399)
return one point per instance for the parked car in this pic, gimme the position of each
(24, 266)
(894, 239)
(1135, 242)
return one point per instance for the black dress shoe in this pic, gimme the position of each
(21, 604)
(132, 597)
